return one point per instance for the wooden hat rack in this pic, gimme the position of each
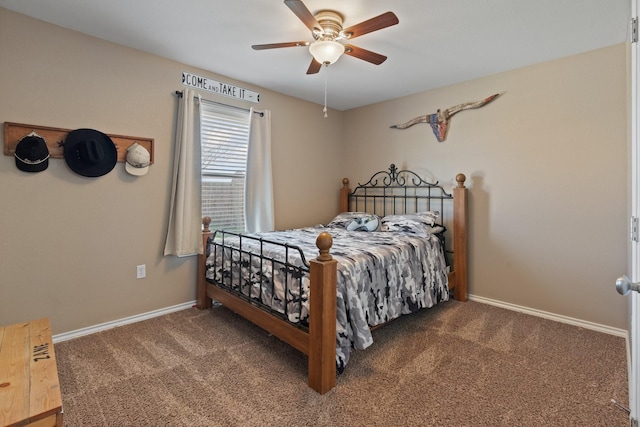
(54, 137)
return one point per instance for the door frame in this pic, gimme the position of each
(634, 303)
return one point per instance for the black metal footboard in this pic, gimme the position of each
(271, 275)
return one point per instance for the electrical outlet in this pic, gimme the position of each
(141, 271)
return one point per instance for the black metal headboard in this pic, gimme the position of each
(396, 192)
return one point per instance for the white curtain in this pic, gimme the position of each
(259, 183)
(184, 233)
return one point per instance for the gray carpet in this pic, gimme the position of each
(459, 364)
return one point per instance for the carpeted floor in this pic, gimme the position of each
(459, 364)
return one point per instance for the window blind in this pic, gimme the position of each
(224, 135)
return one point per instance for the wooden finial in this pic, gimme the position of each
(324, 242)
(205, 224)
(345, 182)
(460, 178)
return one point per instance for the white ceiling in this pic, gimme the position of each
(436, 43)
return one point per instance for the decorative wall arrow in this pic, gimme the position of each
(439, 121)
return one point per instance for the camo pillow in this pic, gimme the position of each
(420, 224)
(356, 221)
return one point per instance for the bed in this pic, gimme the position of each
(398, 245)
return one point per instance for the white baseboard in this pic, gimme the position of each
(127, 320)
(551, 316)
(155, 313)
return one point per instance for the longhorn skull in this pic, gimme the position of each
(439, 121)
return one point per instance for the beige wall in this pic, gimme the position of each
(547, 168)
(70, 244)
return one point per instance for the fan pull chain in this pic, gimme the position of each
(326, 70)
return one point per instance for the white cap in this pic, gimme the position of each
(138, 160)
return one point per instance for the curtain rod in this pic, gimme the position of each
(179, 93)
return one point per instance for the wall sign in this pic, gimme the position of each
(219, 88)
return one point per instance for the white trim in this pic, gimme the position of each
(155, 313)
(531, 311)
(634, 264)
(551, 316)
(121, 322)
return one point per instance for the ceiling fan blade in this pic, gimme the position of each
(379, 22)
(304, 14)
(279, 45)
(364, 54)
(314, 67)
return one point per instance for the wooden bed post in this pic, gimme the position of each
(460, 238)
(202, 301)
(322, 317)
(344, 195)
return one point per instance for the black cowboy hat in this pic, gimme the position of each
(89, 152)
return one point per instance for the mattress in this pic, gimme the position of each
(381, 276)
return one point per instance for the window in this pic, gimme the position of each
(224, 135)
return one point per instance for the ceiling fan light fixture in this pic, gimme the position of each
(326, 51)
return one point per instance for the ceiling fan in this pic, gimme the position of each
(326, 29)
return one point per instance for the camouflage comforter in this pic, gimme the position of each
(381, 275)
